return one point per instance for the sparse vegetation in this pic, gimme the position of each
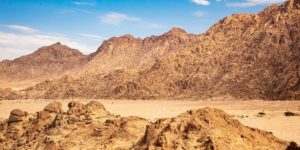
(288, 113)
(261, 114)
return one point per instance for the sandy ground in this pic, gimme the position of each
(287, 128)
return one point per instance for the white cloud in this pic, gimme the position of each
(115, 18)
(199, 13)
(91, 36)
(14, 45)
(250, 3)
(84, 3)
(201, 2)
(22, 28)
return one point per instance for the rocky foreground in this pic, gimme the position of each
(90, 126)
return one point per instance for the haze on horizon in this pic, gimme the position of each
(28, 25)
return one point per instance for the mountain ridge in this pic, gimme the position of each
(246, 56)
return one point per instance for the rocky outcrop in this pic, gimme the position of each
(206, 129)
(8, 94)
(89, 126)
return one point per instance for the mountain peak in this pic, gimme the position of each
(57, 43)
(127, 36)
(56, 50)
(176, 31)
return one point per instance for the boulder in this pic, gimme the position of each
(54, 107)
(94, 105)
(76, 108)
(16, 115)
(75, 104)
(17, 112)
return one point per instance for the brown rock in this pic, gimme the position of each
(206, 129)
(94, 105)
(54, 107)
(13, 118)
(43, 115)
(17, 112)
(16, 115)
(17, 134)
(75, 104)
(51, 146)
(76, 108)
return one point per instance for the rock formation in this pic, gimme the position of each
(90, 126)
(247, 56)
(206, 129)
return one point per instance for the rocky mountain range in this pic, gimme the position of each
(247, 56)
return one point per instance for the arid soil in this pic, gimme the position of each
(274, 120)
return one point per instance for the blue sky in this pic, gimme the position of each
(26, 25)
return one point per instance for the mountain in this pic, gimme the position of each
(128, 52)
(247, 56)
(44, 63)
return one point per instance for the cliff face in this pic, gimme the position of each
(245, 56)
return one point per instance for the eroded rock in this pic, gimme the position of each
(54, 107)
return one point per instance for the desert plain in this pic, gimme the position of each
(246, 111)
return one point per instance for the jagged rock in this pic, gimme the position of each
(76, 108)
(54, 107)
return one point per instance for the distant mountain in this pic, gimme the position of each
(46, 62)
(248, 56)
(128, 52)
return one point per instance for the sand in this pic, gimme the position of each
(286, 128)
